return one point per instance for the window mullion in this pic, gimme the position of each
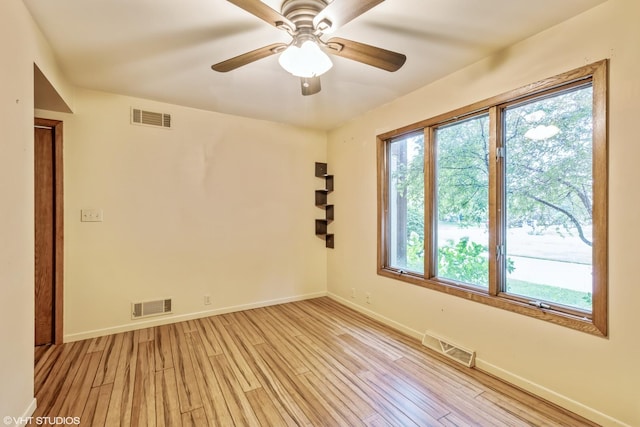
(429, 203)
(495, 202)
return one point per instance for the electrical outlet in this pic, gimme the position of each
(91, 215)
(367, 298)
(353, 293)
(207, 300)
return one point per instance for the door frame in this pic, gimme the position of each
(58, 257)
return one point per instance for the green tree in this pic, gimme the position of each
(549, 179)
(547, 183)
(462, 151)
(407, 159)
(463, 171)
(466, 261)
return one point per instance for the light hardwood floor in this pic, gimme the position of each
(310, 363)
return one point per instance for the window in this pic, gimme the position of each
(505, 202)
(462, 193)
(406, 202)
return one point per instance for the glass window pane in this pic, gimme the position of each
(406, 203)
(549, 194)
(462, 153)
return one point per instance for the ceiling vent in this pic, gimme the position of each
(150, 308)
(150, 118)
(452, 351)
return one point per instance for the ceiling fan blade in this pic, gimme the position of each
(264, 12)
(367, 54)
(339, 12)
(310, 86)
(249, 57)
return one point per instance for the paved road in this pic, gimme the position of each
(561, 274)
(566, 274)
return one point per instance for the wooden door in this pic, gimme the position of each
(48, 232)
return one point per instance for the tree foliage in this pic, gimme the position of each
(463, 171)
(464, 261)
(548, 179)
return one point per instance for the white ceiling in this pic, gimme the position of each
(163, 50)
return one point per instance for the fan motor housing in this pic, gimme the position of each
(302, 12)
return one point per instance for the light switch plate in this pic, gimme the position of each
(91, 215)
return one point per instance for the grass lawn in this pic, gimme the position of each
(577, 299)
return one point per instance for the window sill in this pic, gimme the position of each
(502, 301)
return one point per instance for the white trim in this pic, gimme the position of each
(22, 420)
(549, 395)
(182, 317)
(389, 322)
(31, 408)
(509, 377)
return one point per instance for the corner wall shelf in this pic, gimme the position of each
(322, 196)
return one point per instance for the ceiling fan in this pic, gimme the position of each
(307, 21)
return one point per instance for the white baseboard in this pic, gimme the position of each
(509, 377)
(22, 420)
(389, 322)
(549, 395)
(182, 317)
(31, 408)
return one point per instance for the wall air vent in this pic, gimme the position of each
(452, 351)
(149, 118)
(150, 308)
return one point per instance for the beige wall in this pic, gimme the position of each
(594, 376)
(217, 205)
(21, 44)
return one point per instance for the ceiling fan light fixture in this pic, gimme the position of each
(308, 60)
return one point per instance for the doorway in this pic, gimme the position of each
(48, 228)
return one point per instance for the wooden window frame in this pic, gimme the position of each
(596, 322)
